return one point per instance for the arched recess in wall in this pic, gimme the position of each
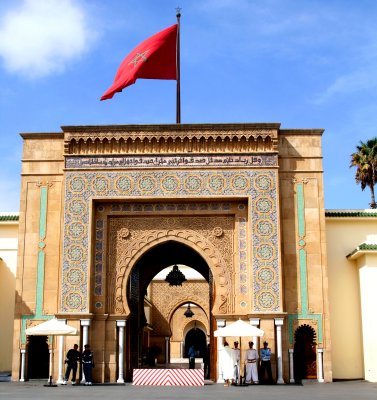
(195, 334)
(149, 261)
(305, 359)
(207, 255)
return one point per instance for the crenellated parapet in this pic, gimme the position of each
(169, 139)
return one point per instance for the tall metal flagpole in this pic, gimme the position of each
(178, 115)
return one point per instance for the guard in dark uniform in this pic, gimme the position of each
(87, 359)
(72, 357)
(265, 365)
(191, 355)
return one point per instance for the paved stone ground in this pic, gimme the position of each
(356, 390)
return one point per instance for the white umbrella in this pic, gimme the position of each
(238, 329)
(53, 327)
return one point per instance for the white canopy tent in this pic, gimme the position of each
(52, 327)
(239, 329)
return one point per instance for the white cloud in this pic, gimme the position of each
(41, 37)
(355, 81)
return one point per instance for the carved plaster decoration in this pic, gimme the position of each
(218, 231)
(194, 231)
(168, 302)
(187, 325)
(44, 183)
(300, 180)
(195, 298)
(123, 234)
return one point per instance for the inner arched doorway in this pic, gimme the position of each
(305, 360)
(38, 357)
(149, 326)
(197, 338)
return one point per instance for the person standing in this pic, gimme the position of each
(265, 364)
(206, 362)
(87, 359)
(237, 356)
(191, 355)
(227, 362)
(72, 357)
(251, 365)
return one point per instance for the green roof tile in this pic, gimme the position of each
(351, 213)
(363, 247)
(9, 217)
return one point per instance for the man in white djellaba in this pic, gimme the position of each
(227, 362)
(251, 362)
(237, 355)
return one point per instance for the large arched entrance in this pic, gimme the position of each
(141, 243)
(151, 327)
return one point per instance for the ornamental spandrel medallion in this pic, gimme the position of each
(193, 184)
(147, 184)
(216, 183)
(265, 276)
(77, 185)
(263, 182)
(264, 205)
(75, 277)
(75, 253)
(76, 230)
(265, 252)
(100, 184)
(170, 183)
(264, 227)
(267, 300)
(76, 206)
(74, 301)
(124, 184)
(240, 183)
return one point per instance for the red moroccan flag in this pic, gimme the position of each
(155, 58)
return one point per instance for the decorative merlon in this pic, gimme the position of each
(158, 139)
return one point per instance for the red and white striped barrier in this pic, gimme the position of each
(168, 377)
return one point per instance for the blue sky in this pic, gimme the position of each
(302, 63)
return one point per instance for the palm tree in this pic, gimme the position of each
(365, 160)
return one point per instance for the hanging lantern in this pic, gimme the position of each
(188, 313)
(175, 277)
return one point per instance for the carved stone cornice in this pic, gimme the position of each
(170, 139)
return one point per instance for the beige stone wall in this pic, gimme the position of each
(303, 232)
(41, 205)
(343, 236)
(8, 266)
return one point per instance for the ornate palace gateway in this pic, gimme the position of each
(106, 208)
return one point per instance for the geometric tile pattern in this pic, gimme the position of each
(265, 243)
(257, 184)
